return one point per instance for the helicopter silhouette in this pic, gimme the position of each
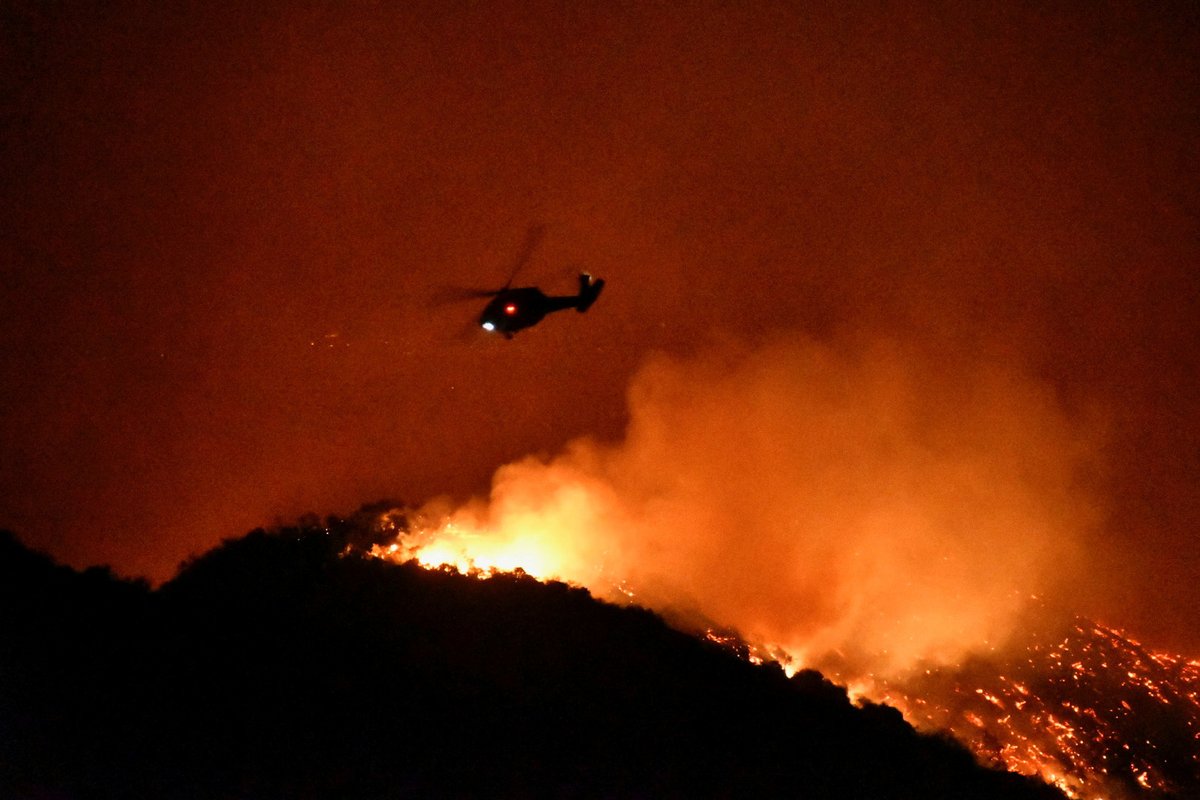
(514, 309)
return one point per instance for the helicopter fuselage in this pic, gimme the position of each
(512, 310)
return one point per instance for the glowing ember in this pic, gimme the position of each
(1092, 711)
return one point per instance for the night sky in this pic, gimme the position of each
(228, 233)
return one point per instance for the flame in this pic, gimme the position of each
(855, 504)
(521, 529)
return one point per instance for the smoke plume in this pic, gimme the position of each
(854, 501)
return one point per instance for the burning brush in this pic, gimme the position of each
(1090, 710)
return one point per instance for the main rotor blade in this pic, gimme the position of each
(446, 295)
(533, 238)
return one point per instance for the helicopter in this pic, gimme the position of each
(515, 309)
(512, 310)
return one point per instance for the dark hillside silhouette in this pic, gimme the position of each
(276, 667)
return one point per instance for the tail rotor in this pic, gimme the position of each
(589, 290)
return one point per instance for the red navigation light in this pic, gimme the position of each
(510, 309)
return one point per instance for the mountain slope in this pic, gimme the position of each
(276, 666)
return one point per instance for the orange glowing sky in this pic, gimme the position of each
(224, 228)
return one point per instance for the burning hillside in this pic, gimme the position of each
(1090, 710)
(857, 510)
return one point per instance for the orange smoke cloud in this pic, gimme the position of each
(860, 501)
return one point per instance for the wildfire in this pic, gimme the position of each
(1091, 711)
(857, 509)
